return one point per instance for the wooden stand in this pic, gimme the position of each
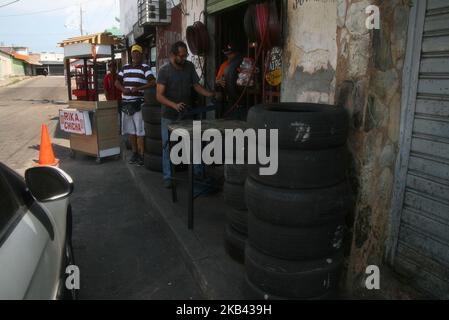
(105, 140)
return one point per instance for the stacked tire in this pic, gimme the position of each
(297, 216)
(236, 232)
(151, 114)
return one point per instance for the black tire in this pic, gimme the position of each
(153, 162)
(298, 208)
(235, 244)
(303, 125)
(238, 220)
(306, 243)
(151, 114)
(153, 131)
(315, 279)
(235, 173)
(234, 196)
(153, 146)
(305, 169)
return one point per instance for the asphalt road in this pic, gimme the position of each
(24, 107)
(120, 246)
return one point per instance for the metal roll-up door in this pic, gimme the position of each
(214, 6)
(56, 70)
(421, 249)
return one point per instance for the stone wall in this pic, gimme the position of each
(369, 76)
(332, 57)
(310, 52)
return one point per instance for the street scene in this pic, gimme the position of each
(156, 151)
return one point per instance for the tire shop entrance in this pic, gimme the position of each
(419, 236)
(254, 30)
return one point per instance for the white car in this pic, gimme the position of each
(35, 234)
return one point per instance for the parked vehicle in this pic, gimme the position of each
(35, 234)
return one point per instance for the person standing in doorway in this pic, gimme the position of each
(111, 92)
(174, 84)
(133, 80)
(226, 79)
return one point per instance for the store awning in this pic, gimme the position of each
(104, 38)
(213, 6)
(98, 45)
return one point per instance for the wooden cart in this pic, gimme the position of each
(105, 140)
(104, 118)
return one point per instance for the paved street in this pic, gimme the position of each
(120, 246)
(24, 107)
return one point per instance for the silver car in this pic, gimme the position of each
(35, 234)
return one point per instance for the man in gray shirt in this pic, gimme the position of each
(174, 83)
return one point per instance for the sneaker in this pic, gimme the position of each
(140, 161)
(167, 184)
(134, 159)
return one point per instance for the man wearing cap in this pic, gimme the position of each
(227, 75)
(133, 80)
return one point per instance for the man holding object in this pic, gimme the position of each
(133, 80)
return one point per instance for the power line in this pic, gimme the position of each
(36, 12)
(9, 3)
(45, 11)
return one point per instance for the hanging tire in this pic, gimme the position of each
(305, 169)
(234, 196)
(238, 220)
(153, 146)
(298, 208)
(235, 244)
(235, 173)
(151, 114)
(295, 243)
(313, 279)
(153, 131)
(153, 162)
(303, 125)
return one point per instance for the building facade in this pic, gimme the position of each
(392, 79)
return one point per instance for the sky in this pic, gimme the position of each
(41, 24)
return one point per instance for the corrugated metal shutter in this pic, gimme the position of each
(423, 243)
(218, 5)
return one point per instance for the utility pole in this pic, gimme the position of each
(81, 19)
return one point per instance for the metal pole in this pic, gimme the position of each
(81, 19)
(69, 78)
(86, 79)
(191, 198)
(96, 80)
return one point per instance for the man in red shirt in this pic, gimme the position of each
(110, 90)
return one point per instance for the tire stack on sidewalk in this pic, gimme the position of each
(297, 216)
(151, 113)
(236, 232)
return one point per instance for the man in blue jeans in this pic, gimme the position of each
(174, 84)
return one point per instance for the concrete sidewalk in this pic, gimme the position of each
(120, 244)
(219, 277)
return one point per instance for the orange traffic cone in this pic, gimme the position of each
(46, 154)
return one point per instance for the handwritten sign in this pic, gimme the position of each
(74, 121)
(274, 72)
